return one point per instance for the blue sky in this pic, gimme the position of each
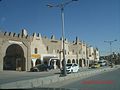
(93, 21)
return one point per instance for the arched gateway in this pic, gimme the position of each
(14, 58)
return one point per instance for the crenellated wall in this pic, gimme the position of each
(77, 51)
(14, 35)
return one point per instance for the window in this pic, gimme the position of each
(73, 51)
(69, 61)
(68, 53)
(73, 61)
(47, 48)
(36, 51)
(57, 51)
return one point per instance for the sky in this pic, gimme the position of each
(93, 21)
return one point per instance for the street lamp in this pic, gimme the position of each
(110, 42)
(61, 6)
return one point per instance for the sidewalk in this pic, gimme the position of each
(13, 76)
(40, 82)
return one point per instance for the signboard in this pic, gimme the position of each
(35, 55)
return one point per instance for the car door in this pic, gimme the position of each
(75, 68)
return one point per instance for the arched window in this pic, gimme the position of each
(73, 61)
(68, 61)
(47, 48)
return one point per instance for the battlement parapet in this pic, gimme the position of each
(14, 35)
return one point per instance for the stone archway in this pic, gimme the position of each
(14, 58)
(73, 61)
(68, 61)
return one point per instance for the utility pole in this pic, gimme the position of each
(110, 42)
(62, 6)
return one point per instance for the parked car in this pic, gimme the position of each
(71, 68)
(111, 64)
(39, 67)
(102, 63)
(95, 65)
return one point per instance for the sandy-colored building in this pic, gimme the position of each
(75, 52)
(21, 51)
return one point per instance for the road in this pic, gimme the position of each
(12, 76)
(104, 81)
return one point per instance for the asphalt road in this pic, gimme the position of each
(104, 81)
(12, 76)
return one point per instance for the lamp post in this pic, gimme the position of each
(110, 42)
(61, 6)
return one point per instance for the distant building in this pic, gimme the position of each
(75, 52)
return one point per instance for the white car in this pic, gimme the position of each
(102, 62)
(72, 68)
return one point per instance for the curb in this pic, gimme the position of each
(40, 82)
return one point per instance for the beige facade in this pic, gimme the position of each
(21, 52)
(75, 52)
(37, 49)
(92, 54)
